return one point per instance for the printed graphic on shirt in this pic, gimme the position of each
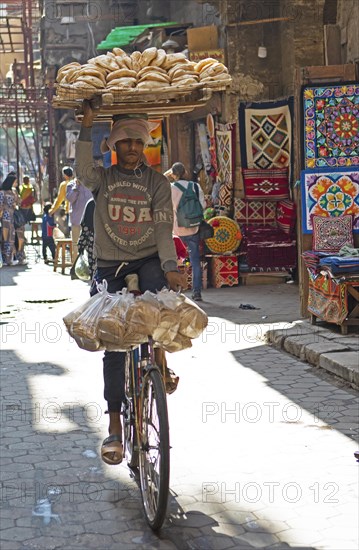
(130, 214)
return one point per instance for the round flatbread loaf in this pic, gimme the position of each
(121, 73)
(147, 56)
(92, 80)
(92, 72)
(173, 58)
(128, 62)
(220, 78)
(119, 83)
(136, 60)
(70, 75)
(157, 77)
(106, 62)
(182, 82)
(159, 59)
(212, 70)
(84, 85)
(152, 85)
(67, 67)
(181, 67)
(201, 65)
(151, 69)
(181, 73)
(118, 51)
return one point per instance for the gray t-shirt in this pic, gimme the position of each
(133, 215)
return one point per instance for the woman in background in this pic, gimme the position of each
(9, 201)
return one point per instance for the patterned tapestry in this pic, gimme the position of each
(254, 212)
(330, 193)
(266, 184)
(331, 126)
(224, 155)
(266, 134)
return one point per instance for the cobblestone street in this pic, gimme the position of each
(262, 443)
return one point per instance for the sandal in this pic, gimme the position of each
(171, 380)
(112, 450)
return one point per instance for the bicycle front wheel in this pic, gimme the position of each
(154, 451)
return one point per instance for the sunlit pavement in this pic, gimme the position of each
(262, 443)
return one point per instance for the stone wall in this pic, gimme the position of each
(348, 21)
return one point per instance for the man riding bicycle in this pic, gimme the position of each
(133, 234)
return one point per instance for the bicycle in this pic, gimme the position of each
(146, 430)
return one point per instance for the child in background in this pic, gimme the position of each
(47, 227)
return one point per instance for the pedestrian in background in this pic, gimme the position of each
(78, 195)
(47, 229)
(27, 197)
(189, 235)
(9, 201)
(67, 173)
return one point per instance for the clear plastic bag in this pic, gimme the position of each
(193, 320)
(82, 321)
(111, 326)
(81, 267)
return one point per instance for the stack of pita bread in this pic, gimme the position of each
(150, 70)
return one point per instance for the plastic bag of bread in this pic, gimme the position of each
(179, 343)
(193, 320)
(111, 324)
(84, 326)
(167, 329)
(142, 318)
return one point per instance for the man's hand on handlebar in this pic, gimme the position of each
(177, 281)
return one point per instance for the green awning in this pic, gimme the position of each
(122, 36)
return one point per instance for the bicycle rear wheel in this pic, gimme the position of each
(154, 452)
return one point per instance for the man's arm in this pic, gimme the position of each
(89, 175)
(59, 199)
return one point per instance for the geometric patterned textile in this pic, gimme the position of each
(227, 235)
(328, 299)
(269, 248)
(330, 193)
(225, 194)
(266, 184)
(253, 212)
(224, 271)
(330, 234)
(266, 135)
(224, 155)
(286, 214)
(331, 126)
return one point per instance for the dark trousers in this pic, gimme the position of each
(151, 277)
(48, 242)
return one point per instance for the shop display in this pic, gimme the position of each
(329, 193)
(331, 126)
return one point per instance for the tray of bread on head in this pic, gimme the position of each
(152, 82)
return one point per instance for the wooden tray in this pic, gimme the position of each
(160, 102)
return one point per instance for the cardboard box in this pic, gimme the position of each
(202, 38)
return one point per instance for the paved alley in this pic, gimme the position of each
(262, 443)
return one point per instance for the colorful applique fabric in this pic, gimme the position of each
(266, 135)
(330, 194)
(331, 126)
(330, 234)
